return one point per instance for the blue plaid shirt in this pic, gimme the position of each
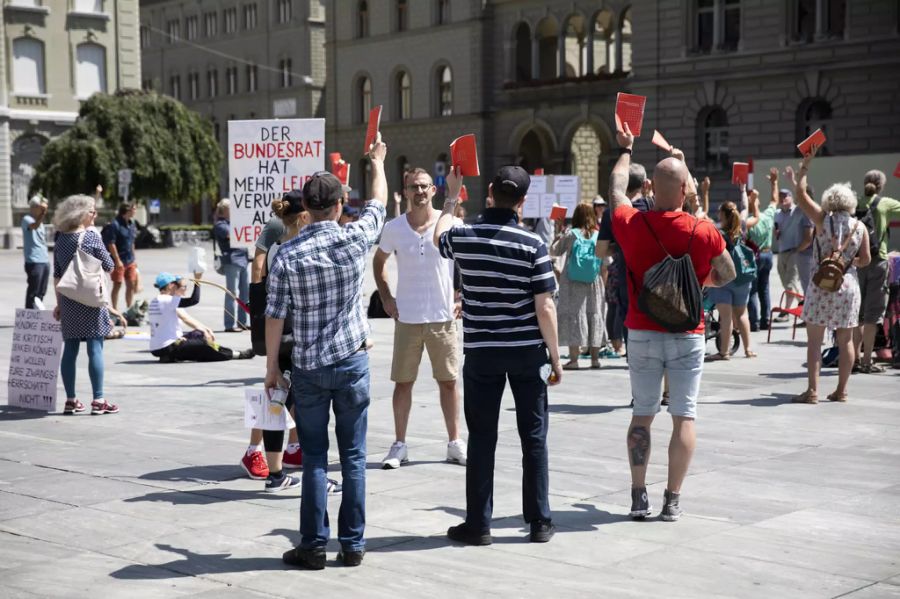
(318, 275)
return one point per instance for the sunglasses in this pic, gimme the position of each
(418, 186)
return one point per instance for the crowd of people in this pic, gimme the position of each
(631, 278)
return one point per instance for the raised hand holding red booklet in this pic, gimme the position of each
(816, 139)
(558, 213)
(464, 155)
(334, 158)
(374, 126)
(463, 194)
(740, 173)
(630, 109)
(342, 172)
(659, 140)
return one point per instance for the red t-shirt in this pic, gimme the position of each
(673, 229)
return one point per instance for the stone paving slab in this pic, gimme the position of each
(782, 500)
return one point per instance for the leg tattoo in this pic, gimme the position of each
(638, 445)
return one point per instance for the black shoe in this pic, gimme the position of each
(671, 510)
(311, 559)
(541, 531)
(245, 355)
(462, 534)
(754, 328)
(764, 326)
(350, 558)
(665, 398)
(640, 503)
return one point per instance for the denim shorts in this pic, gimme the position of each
(680, 355)
(731, 294)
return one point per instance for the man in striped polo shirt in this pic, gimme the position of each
(509, 326)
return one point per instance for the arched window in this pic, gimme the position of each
(442, 12)
(547, 32)
(523, 52)
(404, 96)
(624, 38)
(713, 137)
(445, 91)
(364, 99)
(602, 40)
(574, 38)
(362, 19)
(28, 66)
(812, 114)
(91, 71)
(402, 15)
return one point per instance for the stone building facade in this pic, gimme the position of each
(236, 59)
(53, 55)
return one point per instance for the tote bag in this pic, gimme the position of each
(85, 281)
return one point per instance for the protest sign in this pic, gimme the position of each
(563, 190)
(266, 159)
(816, 139)
(548, 201)
(34, 360)
(262, 414)
(538, 185)
(532, 206)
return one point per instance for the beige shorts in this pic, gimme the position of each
(788, 271)
(439, 338)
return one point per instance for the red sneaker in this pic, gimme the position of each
(73, 406)
(292, 460)
(254, 464)
(103, 407)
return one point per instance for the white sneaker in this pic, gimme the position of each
(396, 456)
(456, 452)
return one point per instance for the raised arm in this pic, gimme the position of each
(753, 209)
(812, 210)
(618, 179)
(773, 184)
(377, 154)
(445, 222)
(704, 194)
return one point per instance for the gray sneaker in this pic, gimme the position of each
(640, 503)
(671, 510)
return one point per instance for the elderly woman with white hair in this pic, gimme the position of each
(74, 220)
(234, 263)
(837, 233)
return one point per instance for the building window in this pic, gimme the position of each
(250, 16)
(284, 67)
(87, 6)
(175, 86)
(191, 27)
(713, 128)
(216, 129)
(230, 20)
(442, 12)
(145, 36)
(624, 49)
(445, 91)
(364, 93)
(212, 82)
(717, 25)
(251, 77)
(402, 15)
(194, 85)
(523, 52)
(28, 66)
(231, 81)
(173, 28)
(91, 70)
(362, 19)
(812, 114)
(284, 11)
(818, 19)
(210, 24)
(147, 85)
(547, 32)
(404, 96)
(603, 43)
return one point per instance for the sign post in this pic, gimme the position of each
(125, 183)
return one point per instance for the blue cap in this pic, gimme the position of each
(164, 278)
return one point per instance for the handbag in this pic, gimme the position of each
(218, 263)
(829, 275)
(85, 281)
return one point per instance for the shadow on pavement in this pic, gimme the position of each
(774, 399)
(210, 496)
(195, 564)
(567, 408)
(198, 474)
(15, 413)
(784, 375)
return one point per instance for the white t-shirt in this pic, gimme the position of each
(424, 277)
(165, 326)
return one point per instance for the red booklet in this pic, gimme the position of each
(740, 173)
(630, 109)
(558, 213)
(333, 159)
(816, 139)
(374, 126)
(464, 155)
(538, 171)
(342, 172)
(463, 194)
(659, 140)
(897, 170)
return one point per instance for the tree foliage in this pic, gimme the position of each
(171, 150)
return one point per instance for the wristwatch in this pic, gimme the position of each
(625, 151)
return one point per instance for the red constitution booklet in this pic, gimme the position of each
(558, 213)
(630, 109)
(372, 130)
(464, 155)
(816, 139)
(659, 140)
(740, 173)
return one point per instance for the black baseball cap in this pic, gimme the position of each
(322, 191)
(294, 198)
(512, 181)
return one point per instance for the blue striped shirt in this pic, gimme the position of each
(503, 267)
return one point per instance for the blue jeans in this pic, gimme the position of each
(95, 365)
(237, 281)
(680, 355)
(344, 386)
(484, 378)
(760, 303)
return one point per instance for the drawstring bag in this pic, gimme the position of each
(85, 281)
(829, 275)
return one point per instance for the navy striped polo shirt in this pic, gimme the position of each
(503, 267)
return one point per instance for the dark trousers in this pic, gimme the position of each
(484, 378)
(274, 440)
(193, 347)
(38, 277)
(760, 302)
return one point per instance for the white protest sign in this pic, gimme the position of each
(547, 201)
(532, 206)
(34, 360)
(260, 413)
(565, 184)
(570, 201)
(538, 185)
(266, 159)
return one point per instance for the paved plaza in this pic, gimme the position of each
(782, 500)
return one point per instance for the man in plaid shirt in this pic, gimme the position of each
(318, 276)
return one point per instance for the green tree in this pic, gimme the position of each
(171, 150)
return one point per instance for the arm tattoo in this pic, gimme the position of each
(618, 182)
(638, 445)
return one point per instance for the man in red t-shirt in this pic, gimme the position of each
(653, 350)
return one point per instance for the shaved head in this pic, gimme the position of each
(670, 182)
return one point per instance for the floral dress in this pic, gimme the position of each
(838, 309)
(77, 320)
(581, 313)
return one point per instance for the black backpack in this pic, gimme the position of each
(867, 217)
(671, 295)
